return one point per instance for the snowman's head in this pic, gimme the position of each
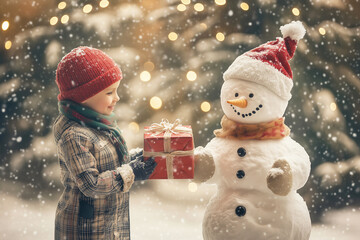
(249, 102)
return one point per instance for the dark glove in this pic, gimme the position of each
(142, 169)
(137, 154)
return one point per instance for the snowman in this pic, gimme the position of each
(258, 167)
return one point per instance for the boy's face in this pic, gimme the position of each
(104, 102)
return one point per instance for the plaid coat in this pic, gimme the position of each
(95, 201)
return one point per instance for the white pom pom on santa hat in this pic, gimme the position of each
(295, 30)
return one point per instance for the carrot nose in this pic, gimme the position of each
(240, 102)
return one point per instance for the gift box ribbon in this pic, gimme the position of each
(167, 128)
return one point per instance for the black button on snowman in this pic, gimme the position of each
(240, 174)
(240, 210)
(241, 152)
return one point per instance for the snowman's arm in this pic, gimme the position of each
(213, 148)
(204, 165)
(299, 162)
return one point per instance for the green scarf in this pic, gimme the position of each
(90, 118)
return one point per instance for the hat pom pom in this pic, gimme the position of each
(295, 30)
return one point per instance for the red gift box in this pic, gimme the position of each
(172, 146)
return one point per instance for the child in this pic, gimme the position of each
(95, 164)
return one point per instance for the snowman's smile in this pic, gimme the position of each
(244, 113)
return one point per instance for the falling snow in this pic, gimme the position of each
(323, 114)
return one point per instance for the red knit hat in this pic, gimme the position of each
(84, 72)
(268, 64)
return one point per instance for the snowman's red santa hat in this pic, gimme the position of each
(268, 64)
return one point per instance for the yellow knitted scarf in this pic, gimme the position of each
(261, 131)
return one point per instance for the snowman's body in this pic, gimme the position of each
(244, 207)
(257, 178)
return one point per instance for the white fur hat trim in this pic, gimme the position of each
(253, 70)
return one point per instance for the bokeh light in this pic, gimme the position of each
(220, 2)
(173, 36)
(155, 102)
(181, 7)
(205, 106)
(64, 19)
(295, 11)
(191, 75)
(134, 127)
(104, 3)
(322, 31)
(62, 5)
(199, 7)
(87, 8)
(5, 25)
(244, 6)
(203, 25)
(54, 20)
(149, 66)
(8, 45)
(333, 107)
(220, 36)
(145, 76)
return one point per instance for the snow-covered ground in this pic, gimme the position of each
(160, 210)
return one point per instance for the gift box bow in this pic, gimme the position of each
(167, 128)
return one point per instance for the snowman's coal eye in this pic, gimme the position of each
(236, 94)
(251, 95)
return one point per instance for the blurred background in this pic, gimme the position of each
(173, 54)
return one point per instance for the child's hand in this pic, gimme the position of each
(142, 170)
(135, 153)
